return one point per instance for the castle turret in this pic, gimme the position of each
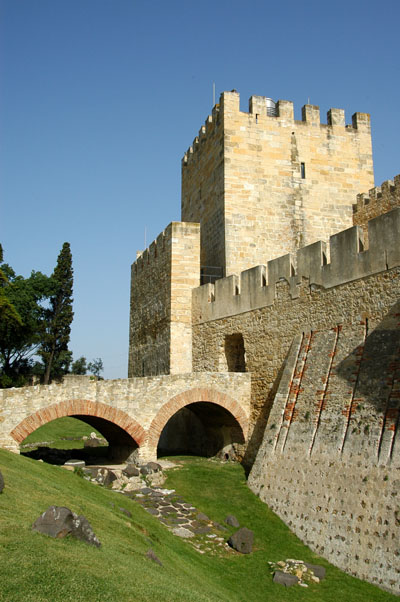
(262, 184)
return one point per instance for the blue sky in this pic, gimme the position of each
(101, 98)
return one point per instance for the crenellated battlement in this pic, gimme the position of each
(163, 244)
(206, 130)
(282, 112)
(377, 201)
(256, 287)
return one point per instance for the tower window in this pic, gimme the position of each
(303, 170)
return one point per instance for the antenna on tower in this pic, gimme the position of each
(213, 94)
(145, 246)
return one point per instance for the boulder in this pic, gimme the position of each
(242, 541)
(82, 530)
(56, 521)
(286, 579)
(232, 521)
(202, 516)
(131, 471)
(59, 521)
(318, 570)
(154, 466)
(92, 442)
(145, 470)
(1, 482)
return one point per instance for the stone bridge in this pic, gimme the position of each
(205, 413)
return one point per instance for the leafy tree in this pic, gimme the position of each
(21, 323)
(79, 366)
(54, 349)
(95, 367)
(8, 313)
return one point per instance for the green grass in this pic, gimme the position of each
(55, 432)
(36, 568)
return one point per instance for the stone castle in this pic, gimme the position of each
(285, 267)
(266, 327)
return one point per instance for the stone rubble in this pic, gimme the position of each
(296, 572)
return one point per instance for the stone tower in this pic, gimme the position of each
(262, 184)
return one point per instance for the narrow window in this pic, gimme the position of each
(235, 353)
(303, 170)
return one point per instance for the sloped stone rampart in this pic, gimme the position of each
(335, 423)
(325, 367)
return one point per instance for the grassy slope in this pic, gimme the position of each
(35, 568)
(61, 427)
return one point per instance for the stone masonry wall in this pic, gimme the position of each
(322, 343)
(269, 305)
(377, 201)
(242, 179)
(203, 189)
(163, 276)
(140, 406)
(335, 423)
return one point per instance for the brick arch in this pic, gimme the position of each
(81, 407)
(178, 402)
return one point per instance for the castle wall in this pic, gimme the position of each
(322, 342)
(334, 422)
(377, 201)
(162, 278)
(269, 305)
(242, 179)
(203, 189)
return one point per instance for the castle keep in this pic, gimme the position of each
(286, 266)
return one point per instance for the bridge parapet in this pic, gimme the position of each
(141, 406)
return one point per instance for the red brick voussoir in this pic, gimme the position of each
(194, 396)
(78, 407)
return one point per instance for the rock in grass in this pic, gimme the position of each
(242, 541)
(286, 579)
(151, 555)
(1, 482)
(154, 466)
(318, 570)
(131, 471)
(125, 511)
(232, 521)
(182, 532)
(82, 530)
(56, 521)
(59, 521)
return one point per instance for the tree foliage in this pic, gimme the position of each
(79, 366)
(8, 313)
(54, 348)
(22, 324)
(95, 367)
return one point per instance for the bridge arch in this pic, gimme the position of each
(123, 432)
(207, 405)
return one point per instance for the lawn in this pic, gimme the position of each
(35, 568)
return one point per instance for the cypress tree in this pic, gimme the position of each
(54, 351)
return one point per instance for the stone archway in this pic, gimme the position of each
(123, 433)
(222, 422)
